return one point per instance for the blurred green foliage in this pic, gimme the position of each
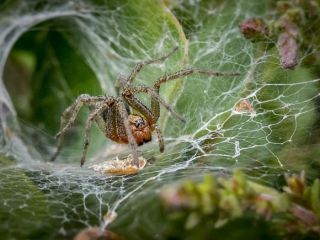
(221, 208)
(52, 73)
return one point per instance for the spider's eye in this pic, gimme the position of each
(139, 123)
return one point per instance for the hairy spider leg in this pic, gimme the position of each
(131, 140)
(83, 99)
(63, 121)
(68, 117)
(88, 127)
(160, 137)
(128, 93)
(140, 65)
(187, 72)
(120, 83)
(155, 106)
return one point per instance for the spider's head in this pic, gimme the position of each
(140, 129)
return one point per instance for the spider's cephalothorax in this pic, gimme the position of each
(113, 114)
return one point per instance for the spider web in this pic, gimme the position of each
(261, 136)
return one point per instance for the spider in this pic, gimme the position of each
(114, 115)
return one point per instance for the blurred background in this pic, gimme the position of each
(264, 122)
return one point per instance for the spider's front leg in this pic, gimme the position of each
(155, 106)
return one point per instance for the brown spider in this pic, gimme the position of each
(113, 114)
